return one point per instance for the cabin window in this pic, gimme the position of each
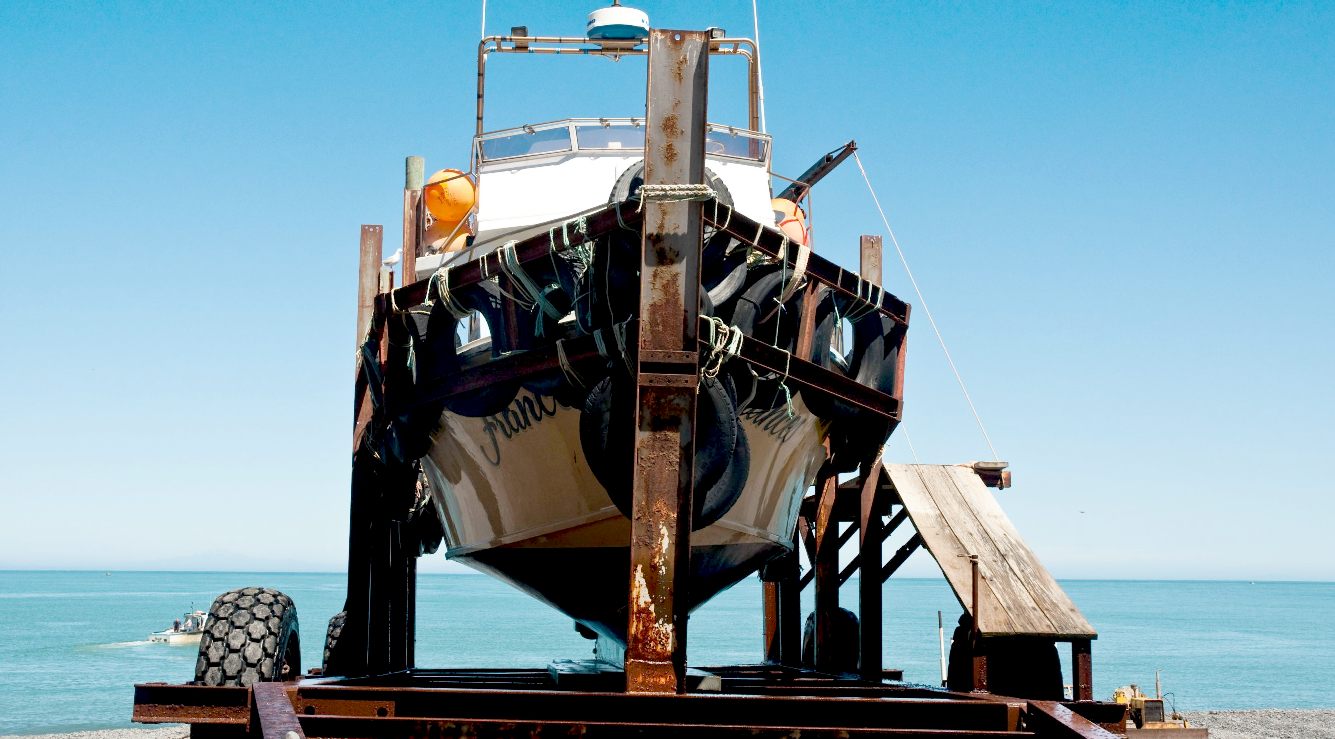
(610, 137)
(526, 143)
(723, 142)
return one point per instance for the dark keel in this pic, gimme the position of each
(591, 584)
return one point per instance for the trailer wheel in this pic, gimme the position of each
(251, 636)
(332, 635)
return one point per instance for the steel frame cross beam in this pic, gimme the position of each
(667, 373)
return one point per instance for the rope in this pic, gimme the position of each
(510, 266)
(783, 383)
(725, 342)
(567, 369)
(923, 302)
(441, 280)
(799, 269)
(674, 193)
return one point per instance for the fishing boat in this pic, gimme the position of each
(531, 478)
(186, 630)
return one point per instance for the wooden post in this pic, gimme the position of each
(1082, 664)
(667, 371)
(413, 177)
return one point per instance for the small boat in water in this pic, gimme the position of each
(185, 630)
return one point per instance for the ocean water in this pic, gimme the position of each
(73, 643)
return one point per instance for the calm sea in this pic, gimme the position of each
(72, 643)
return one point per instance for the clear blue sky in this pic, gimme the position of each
(1122, 214)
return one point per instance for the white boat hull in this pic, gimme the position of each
(518, 500)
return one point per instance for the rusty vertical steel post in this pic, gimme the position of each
(352, 656)
(790, 609)
(782, 609)
(1083, 667)
(979, 650)
(870, 582)
(413, 177)
(826, 568)
(769, 594)
(667, 373)
(368, 276)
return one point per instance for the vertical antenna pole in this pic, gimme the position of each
(667, 371)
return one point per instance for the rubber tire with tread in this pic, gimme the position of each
(332, 635)
(251, 636)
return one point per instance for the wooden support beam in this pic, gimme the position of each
(665, 412)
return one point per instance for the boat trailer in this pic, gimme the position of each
(375, 689)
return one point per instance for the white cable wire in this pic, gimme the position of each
(905, 433)
(760, 77)
(923, 302)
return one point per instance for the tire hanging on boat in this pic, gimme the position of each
(722, 454)
(872, 360)
(758, 313)
(436, 349)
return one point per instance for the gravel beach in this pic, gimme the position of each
(1270, 723)
(173, 731)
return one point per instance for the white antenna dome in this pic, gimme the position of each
(618, 23)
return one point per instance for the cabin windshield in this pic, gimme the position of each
(604, 135)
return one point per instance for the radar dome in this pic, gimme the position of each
(618, 23)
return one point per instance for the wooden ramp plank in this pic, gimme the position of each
(957, 515)
(950, 553)
(1062, 613)
(998, 578)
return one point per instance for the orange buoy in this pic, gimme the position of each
(450, 196)
(790, 219)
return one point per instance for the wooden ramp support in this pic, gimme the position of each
(995, 575)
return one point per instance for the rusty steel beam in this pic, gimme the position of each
(1082, 665)
(870, 538)
(1049, 719)
(276, 717)
(160, 703)
(674, 155)
(336, 727)
(772, 242)
(901, 556)
(611, 216)
(414, 175)
(826, 568)
(635, 709)
(368, 275)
